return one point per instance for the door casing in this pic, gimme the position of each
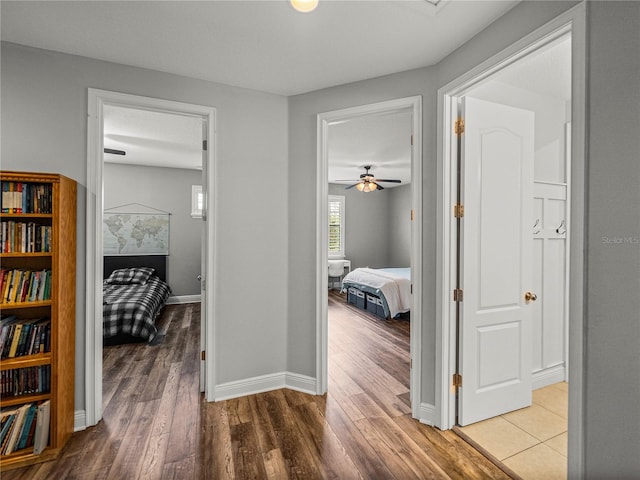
(572, 22)
(322, 246)
(94, 208)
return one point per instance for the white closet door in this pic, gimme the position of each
(495, 330)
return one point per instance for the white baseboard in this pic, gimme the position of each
(174, 300)
(549, 376)
(427, 414)
(79, 420)
(265, 383)
(301, 383)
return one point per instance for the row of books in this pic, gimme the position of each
(18, 197)
(25, 426)
(20, 337)
(19, 286)
(25, 381)
(21, 237)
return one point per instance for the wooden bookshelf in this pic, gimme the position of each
(60, 308)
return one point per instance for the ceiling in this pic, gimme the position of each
(263, 45)
(382, 141)
(152, 138)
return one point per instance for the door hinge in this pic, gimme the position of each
(457, 380)
(458, 210)
(412, 215)
(457, 295)
(411, 289)
(205, 145)
(203, 355)
(458, 126)
(411, 139)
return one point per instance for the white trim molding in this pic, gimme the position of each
(180, 299)
(324, 120)
(266, 383)
(79, 420)
(97, 99)
(427, 414)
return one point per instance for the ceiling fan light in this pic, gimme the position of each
(304, 6)
(360, 187)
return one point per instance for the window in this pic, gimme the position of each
(336, 226)
(197, 201)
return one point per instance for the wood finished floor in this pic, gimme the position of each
(156, 424)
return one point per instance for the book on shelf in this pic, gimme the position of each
(24, 237)
(20, 197)
(19, 426)
(25, 381)
(41, 437)
(22, 286)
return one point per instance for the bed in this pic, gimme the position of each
(134, 291)
(383, 291)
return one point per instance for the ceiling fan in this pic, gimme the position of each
(367, 182)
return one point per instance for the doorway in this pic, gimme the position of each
(451, 348)
(98, 101)
(411, 105)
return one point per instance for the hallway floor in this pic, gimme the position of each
(532, 442)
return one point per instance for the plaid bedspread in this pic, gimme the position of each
(132, 309)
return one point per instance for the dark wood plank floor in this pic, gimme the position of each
(156, 424)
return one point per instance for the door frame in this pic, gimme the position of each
(97, 99)
(572, 22)
(322, 258)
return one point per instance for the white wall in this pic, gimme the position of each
(169, 190)
(44, 128)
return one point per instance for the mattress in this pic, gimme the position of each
(393, 285)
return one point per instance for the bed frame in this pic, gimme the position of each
(157, 262)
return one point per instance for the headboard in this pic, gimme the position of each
(157, 262)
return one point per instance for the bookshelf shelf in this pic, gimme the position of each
(25, 361)
(20, 305)
(19, 255)
(52, 371)
(21, 216)
(11, 401)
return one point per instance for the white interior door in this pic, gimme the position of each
(495, 326)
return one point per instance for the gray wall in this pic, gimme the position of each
(612, 334)
(366, 219)
(400, 226)
(377, 226)
(44, 128)
(167, 189)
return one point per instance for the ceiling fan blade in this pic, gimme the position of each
(387, 180)
(351, 186)
(380, 187)
(114, 151)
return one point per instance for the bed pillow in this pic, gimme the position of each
(126, 276)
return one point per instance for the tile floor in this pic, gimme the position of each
(533, 441)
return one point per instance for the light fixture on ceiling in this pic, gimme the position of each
(367, 182)
(367, 186)
(304, 6)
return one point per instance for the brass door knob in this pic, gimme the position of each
(530, 297)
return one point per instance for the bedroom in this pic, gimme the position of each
(152, 175)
